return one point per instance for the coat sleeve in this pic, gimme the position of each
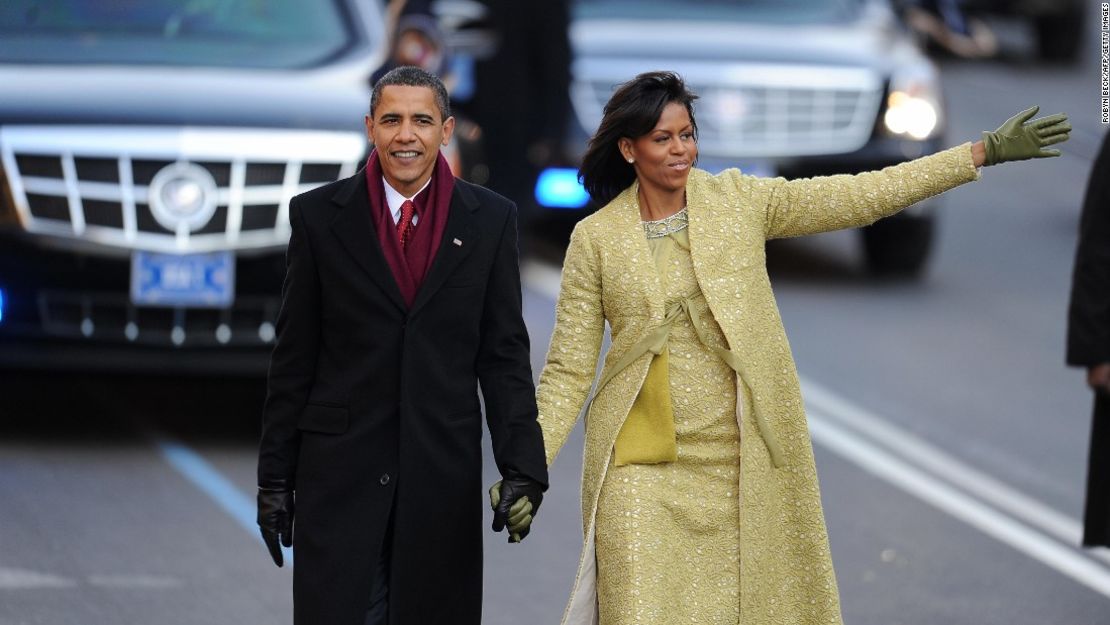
(293, 362)
(504, 367)
(1089, 309)
(812, 205)
(571, 365)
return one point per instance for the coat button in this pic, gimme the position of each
(384, 479)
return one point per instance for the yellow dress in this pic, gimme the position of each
(609, 278)
(667, 535)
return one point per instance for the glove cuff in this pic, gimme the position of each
(525, 483)
(991, 144)
(276, 486)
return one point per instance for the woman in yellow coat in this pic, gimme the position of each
(699, 492)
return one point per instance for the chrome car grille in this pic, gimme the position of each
(760, 111)
(95, 185)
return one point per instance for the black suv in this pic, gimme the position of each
(793, 88)
(149, 150)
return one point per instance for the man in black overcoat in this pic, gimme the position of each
(402, 294)
(1089, 339)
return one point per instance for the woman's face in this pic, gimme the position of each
(663, 157)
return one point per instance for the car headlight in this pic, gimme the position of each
(913, 108)
(559, 188)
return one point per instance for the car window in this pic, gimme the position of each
(218, 33)
(766, 11)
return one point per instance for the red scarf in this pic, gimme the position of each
(433, 204)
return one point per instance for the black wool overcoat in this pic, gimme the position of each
(372, 407)
(1089, 337)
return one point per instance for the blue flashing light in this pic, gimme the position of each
(1, 305)
(559, 188)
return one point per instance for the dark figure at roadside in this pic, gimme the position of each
(402, 294)
(1089, 339)
(943, 23)
(521, 95)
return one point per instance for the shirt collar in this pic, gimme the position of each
(393, 199)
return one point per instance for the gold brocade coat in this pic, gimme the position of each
(786, 573)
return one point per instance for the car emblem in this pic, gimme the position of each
(183, 195)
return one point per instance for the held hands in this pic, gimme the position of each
(1019, 139)
(275, 519)
(514, 504)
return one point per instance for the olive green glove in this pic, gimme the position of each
(1017, 140)
(514, 504)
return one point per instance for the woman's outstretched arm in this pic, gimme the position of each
(811, 205)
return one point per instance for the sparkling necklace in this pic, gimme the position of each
(668, 225)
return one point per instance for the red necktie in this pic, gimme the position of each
(404, 225)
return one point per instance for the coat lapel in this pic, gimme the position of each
(704, 254)
(630, 229)
(353, 225)
(461, 227)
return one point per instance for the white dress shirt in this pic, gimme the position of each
(394, 200)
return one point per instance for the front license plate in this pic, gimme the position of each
(191, 280)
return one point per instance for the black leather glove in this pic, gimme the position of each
(275, 519)
(514, 504)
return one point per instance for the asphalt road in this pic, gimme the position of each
(951, 441)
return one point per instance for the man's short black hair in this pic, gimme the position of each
(412, 76)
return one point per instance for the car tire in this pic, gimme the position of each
(1060, 36)
(899, 246)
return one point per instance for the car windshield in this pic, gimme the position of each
(213, 33)
(762, 11)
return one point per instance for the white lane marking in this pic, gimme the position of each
(961, 506)
(946, 466)
(541, 277)
(22, 579)
(211, 482)
(138, 581)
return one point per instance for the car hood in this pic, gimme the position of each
(873, 41)
(334, 99)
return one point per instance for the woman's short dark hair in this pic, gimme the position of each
(632, 111)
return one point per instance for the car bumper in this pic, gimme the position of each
(66, 309)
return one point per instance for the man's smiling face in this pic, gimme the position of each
(407, 129)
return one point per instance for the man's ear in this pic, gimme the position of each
(448, 130)
(369, 122)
